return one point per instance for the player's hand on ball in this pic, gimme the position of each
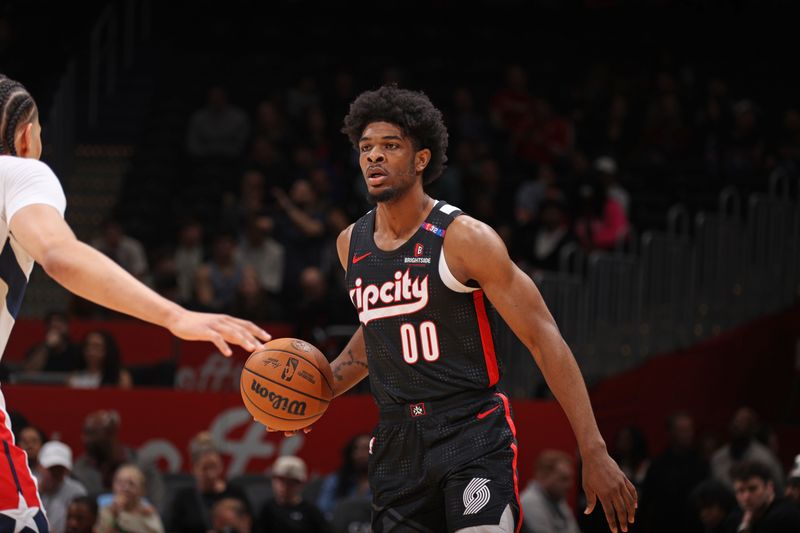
(286, 385)
(219, 329)
(603, 479)
(288, 433)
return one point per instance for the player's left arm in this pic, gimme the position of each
(475, 252)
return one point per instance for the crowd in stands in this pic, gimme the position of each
(589, 154)
(697, 484)
(262, 187)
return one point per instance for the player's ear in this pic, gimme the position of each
(23, 140)
(421, 159)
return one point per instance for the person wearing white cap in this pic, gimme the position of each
(287, 510)
(56, 487)
(608, 174)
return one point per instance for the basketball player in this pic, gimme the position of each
(32, 228)
(430, 283)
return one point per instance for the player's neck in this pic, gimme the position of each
(400, 218)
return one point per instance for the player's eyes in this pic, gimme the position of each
(366, 148)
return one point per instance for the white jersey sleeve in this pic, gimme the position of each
(27, 182)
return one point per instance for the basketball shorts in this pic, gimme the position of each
(444, 465)
(20, 506)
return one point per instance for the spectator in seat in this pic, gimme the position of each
(56, 352)
(217, 280)
(82, 515)
(792, 491)
(537, 245)
(189, 255)
(760, 508)
(129, 511)
(743, 446)
(665, 505)
(713, 502)
(601, 223)
(253, 301)
(104, 453)
(300, 226)
(287, 510)
(219, 129)
(31, 439)
(510, 104)
(608, 174)
(126, 251)
(631, 454)
(544, 500)
(56, 487)
(231, 515)
(191, 506)
(351, 477)
(100, 364)
(266, 255)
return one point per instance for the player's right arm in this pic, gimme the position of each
(351, 365)
(40, 229)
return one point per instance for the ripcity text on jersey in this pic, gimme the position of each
(427, 335)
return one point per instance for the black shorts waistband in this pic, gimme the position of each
(423, 408)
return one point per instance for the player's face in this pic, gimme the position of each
(388, 161)
(753, 494)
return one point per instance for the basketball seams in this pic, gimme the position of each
(274, 414)
(287, 386)
(312, 363)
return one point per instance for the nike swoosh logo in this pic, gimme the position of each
(484, 414)
(357, 258)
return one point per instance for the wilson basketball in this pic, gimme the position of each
(287, 385)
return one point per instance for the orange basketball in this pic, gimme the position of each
(287, 385)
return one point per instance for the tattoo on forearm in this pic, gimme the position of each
(338, 373)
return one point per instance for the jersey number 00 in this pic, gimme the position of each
(427, 342)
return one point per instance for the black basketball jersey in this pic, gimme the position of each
(428, 336)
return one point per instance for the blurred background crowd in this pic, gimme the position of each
(231, 182)
(695, 484)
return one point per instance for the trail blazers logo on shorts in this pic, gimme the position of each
(476, 495)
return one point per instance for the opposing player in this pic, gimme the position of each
(430, 284)
(32, 229)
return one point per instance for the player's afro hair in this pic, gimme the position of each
(412, 111)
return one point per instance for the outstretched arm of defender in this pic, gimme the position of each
(474, 251)
(88, 273)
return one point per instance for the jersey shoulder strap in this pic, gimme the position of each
(441, 216)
